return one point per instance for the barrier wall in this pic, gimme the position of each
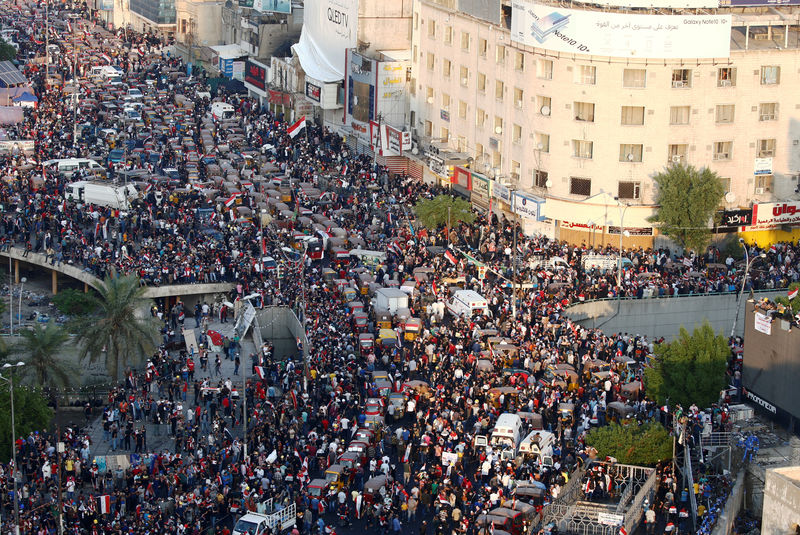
(280, 326)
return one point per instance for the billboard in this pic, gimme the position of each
(255, 75)
(329, 28)
(620, 34)
(745, 3)
(313, 92)
(732, 220)
(775, 214)
(667, 4)
(361, 77)
(526, 205)
(272, 6)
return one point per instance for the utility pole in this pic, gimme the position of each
(47, 44)
(60, 450)
(514, 274)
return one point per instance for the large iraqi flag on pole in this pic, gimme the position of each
(295, 129)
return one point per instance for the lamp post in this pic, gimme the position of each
(622, 209)
(747, 262)
(10, 381)
(22, 281)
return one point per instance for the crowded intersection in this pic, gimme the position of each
(416, 360)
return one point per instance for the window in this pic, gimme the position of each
(726, 183)
(497, 159)
(722, 150)
(481, 82)
(444, 134)
(726, 77)
(584, 111)
(632, 115)
(542, 141)
(448, 35)
(519, 61)
(766, 148)
(580, 186)
(416, 21)
(483, 47)
(539, 178)
(432, 28)
(464, 41)
(634, 78)
(725, 113)
(763, 184)
(768, 111)
(770, 75)
(445, 101)
(630, 153)
(414, 54)
(582, 149)
(516, 135)
(480, 118)
(430, 61)
(544, 69)
(681, 78)
(519, 97)
(429, 95)
(428, 129)
(678, 153)
(461, 144)
(446, 65)
(500, 54)
(629, 190)
(587, 74)
(462, 109)
(543, 104)
(679, 114)
(463, 73)
(499, 89)
(498, 125)
(515, 167)
(478, 151)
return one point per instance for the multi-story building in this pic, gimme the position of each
(156, 16)
(567, 126)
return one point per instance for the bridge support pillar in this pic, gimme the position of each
(86, 287)
(55, 281)
(16, 271)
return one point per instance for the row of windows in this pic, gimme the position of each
(632, 190)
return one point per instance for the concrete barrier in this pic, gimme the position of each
(657, 317)
(281, 326)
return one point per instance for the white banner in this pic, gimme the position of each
(763, 324)
(620, 34)
(775, 214)
(329, 27)
(500, 191)
(762, 166)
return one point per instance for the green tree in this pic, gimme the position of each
(434, 213)
(119, 333)
(687, 200)
(74, 302)
(690, 369)
(41, 345)
(7, 52)
(31, 413)
(631, 443)
(794, 304)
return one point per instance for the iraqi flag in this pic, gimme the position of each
(106, 57)
(792, 293)
(104, 504)
(230, 200)
(260, 372)
(450, 257)
(295, 129)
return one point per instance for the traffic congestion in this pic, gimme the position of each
(434, 398)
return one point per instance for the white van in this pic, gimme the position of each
(506, 433)
(467, 303)
(602, 262)
(103, 72)
(221, 111)
(538, 446)
(117, 197)
(68, 166)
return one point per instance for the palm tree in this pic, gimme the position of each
(119, 330)
(42, 346)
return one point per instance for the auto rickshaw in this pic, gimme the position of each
(328, 275)
(616, 411)
(366, 343)
(337, 476)
(359, 448)
(387, 337)
(364, 280)
(372, 489)
(532, 494)
(349, 459)
(566, 414)
(412, 328)
(317, 487)
(508, 393)
(360, 321)
(355, 307)
(383, 320)
(349, 294)
(384, 387)
(374, 422)
(490, 523)
(398, 400)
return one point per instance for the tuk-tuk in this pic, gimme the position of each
(372, 489)
(517, 522)
(365, 435)
(532, 494)
(630, 390)
(355, 307)
(364, 281)
(412, 328)
(387, 337)
(398, 400)
(360, 321)
(508, 393)
(349, 294)
(359, 448)
(374, 422)
(317, 487)
(383, 320)
(490, 523)
(349, 459)
(328, 275)
(337, 477)
(566, 414)
(384, 387)
(616, 411)
(366, 342)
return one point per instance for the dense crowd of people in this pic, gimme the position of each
(437, 480)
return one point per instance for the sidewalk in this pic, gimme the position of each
(158, 438)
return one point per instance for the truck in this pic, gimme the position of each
(110, 195)
(389, 300)
(467, 303)
(259, 524)
(538, 446)
(602, 262)
(506, 434)
(221, 110)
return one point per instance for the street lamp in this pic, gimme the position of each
(747, 262)
(622, 209)
(10, 381)
(22, 281)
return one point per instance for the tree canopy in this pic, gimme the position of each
(31, 413)
(687, 200)
(433, 213)
(7, 52)
(794, 304)
(41, 346)
(631, 443)
(690, 369)
(119, 330)
(74, 302)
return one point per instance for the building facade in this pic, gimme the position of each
(568, 126)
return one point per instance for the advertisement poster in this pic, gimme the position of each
(620, 34)
(361, 87)
(329, 28)
(272, 6)
(526, 206)
(313, 92)
(255, 75)
(775, 214)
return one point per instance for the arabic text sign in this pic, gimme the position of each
(763, 324)
(620, 34)
(526, 206)
(774, 214)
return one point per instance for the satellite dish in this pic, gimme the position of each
(540, 145)
(549, 183)
(545, 110)
(630, 157)
(730, 197)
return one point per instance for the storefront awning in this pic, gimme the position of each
(313, 62)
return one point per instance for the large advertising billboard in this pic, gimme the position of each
(775, 214)
(620, 34)
(329, 28)
(273, 6)
(255, 75)
(361, 77)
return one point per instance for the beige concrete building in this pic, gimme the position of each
(568, 126)
(781, 514)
